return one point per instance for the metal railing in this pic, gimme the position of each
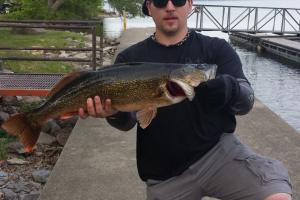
(90, 26)
(246, 19)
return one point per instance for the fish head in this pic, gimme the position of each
(183, 79)
(176, 90)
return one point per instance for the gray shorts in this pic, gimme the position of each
(230, 171)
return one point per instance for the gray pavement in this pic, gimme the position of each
(98, 161)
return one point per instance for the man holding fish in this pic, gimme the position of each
(183, 90)
(188, 150)
(185, 111)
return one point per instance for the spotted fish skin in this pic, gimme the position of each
(130, 86)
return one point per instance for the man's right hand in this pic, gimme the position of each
(97, 108)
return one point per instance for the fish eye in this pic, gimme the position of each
(159, 93)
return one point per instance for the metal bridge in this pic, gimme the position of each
(245, 19)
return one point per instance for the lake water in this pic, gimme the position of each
(276, 82)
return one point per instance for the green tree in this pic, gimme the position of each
(57, 9)
(133, 7)
(54, 5)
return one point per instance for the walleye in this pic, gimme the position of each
(130, 86)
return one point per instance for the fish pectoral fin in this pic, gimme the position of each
(145, 117)
(68, 115)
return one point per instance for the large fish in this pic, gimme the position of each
(131, 87)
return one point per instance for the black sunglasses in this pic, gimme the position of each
(163, 3)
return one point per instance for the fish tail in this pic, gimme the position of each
(19, 125)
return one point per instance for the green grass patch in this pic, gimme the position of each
(34, 66)
(5, 139)
(49, 38)
(28, 106)
(38, 67)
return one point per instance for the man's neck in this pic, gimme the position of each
(167, 40)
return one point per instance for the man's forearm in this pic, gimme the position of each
(123, 121)
(245, 99)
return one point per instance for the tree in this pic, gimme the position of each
(57, 9)
(133, 7)
(53, 5)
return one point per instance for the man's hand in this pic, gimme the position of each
(97, 108)
(218, 93)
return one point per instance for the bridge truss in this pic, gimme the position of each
(245, 19)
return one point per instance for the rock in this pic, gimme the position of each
(31, 99)
(3, 116)
(9, 101)
(37, 52)
(3, 178)
(68, 122)
(13, 109)
(45, 138)
(51, 127)
(85, 67)
(80, 55)
(32, 196)
(37, 153)
(108, 48)
(1, 196)
(9, 109)
(63, 135)
(18, 187)
(15, 147)
(69, 39)
(7, 71)
(35, 185)
(41, 176)
(17, 161)
(3, 175)
(13, 177)
(112, 42)
(9, 194)
(63, 54)
(106, 62)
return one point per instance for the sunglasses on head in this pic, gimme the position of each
(163, 3)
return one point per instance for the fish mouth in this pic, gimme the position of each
(177, 88)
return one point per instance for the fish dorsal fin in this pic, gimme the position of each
(145, 117)
(64, 81)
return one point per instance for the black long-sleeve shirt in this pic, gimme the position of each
(182, 133)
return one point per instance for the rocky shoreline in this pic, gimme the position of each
(23, 176)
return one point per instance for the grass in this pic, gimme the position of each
(28, 106)
(46, 39)
(4, 141)
(34, 66)
(50, 38)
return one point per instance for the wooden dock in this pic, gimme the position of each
(287, 47)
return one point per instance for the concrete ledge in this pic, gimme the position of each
(97, 163)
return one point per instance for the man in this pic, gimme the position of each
(189, 150)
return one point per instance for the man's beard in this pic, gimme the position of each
(169, 31)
